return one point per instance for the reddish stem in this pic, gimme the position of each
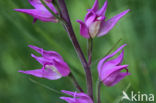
(68, 26)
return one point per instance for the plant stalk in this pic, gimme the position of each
(108, 51)
(75, 82)
(90, 48)
(98, 93)
(68, 26)
(45, 5)
(45, 86)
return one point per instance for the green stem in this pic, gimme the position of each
(45, 86)
(98, 93)
(108, 51)
(76, 70)
(55, 3)
(75, 82)
(113, 47)
(55, 15)
(68, 26)
(90, 48)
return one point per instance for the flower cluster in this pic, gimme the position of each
(95, 24)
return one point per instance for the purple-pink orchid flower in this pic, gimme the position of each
(110, 71)
(77, 97)
(95, 23)
(40, 12)
(53, 64)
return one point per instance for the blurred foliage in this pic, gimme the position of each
(137, 29)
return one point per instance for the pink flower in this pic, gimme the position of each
(95, 23)
(40, 12)
(77, 97)
(53, 68)
(110, 71)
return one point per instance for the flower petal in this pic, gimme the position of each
(109, 24)
(51, 6)
(95, 6)
(41, 60)
(62, 67)
(42, 15)
(46, 73)
(118, 60)
(90, 18)
(115, 77)
(74, 94)
(37, 49)
(38, 5)
(83, 29)
(102, 61)
(47, 54)
(108, 65)
(77, 97)
(94, 28)
(107, 73)
(102, 11)
(68, 99)
(35, 3)
(84, 100)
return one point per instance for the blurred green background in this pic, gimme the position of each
(137, 29)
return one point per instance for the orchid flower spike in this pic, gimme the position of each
(53, 68)
(110, 71)
(40, 12)
(77, 97)
(95, 23)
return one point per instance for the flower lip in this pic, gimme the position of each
(54, 69)
(46, 73)
(94, 28)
